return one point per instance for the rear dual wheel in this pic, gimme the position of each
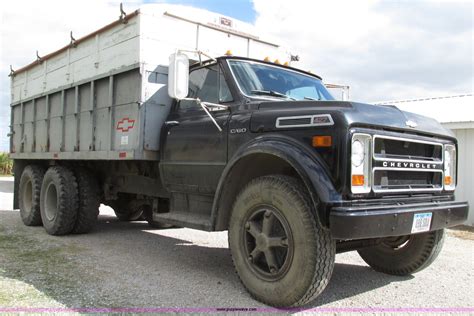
(59, 201)
(29, 195)
(62, 200)
(89, 201)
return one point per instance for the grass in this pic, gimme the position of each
(6, 164)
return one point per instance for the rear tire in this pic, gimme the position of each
(404, 255)
(29, 195)
(89, 201)
(59, 201)
(282, 254)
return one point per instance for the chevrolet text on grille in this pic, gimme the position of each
(392, 164)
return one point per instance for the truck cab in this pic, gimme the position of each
(375, 179)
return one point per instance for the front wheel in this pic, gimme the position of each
(283, 255)
(406, 254)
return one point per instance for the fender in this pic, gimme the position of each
(305, 161)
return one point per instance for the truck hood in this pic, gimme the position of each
(349, 114)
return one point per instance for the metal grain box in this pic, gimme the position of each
(104, 96)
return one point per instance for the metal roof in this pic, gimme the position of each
(445, 109)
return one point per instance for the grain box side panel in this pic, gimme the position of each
(16, 127)
(56, 122)
(17, 84)
(157, 104)
(127, 103)
(70, 132)
(41, 135)
(102, 115)
(86, 123)
(28, 127)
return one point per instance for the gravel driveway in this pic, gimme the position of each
(128, 265)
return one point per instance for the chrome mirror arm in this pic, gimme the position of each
(205, 105)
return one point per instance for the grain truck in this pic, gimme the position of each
(188, 118)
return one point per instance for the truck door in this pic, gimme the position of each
(194, 150)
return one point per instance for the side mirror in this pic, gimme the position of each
(178, 76)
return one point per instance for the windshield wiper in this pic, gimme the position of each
(312, 99)
(271, 93)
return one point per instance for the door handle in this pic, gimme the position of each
(169, 124)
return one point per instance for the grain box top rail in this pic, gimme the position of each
(125, 18)
(75, 42)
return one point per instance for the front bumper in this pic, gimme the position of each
(375, 221)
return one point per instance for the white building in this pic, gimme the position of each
(456, 113)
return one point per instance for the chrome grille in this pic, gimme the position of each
(403, 164)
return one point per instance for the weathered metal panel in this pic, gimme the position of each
(109, 50)
(16, 128)
(55, 125)
(157, 104)
(127, 98)
(86, 126)
(101, 96)
(465, 187)
(41, 135)
(101, 93)
(127, 87)
(28, 132)
(70, 133)
(102, 129)
(70, 120)
(126, 136)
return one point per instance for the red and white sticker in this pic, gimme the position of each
(125, 124)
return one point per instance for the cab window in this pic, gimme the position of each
(207, 84)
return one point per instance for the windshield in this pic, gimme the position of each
(256, 79)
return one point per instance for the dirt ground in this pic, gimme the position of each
(129, 265)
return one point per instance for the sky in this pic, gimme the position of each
(384, 50)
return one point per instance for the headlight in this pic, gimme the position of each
(449, 167)
(357, 157)
(360, 163)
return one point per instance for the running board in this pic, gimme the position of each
(184, 219)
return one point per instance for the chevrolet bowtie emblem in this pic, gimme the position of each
(411, 124)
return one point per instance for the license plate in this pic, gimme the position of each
(421, 222)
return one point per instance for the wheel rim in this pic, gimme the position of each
(268, 243)
(51, 201)
(396, 243)
(28, 196)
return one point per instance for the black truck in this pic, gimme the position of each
(256, 148)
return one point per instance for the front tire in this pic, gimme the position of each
(406, 254)
(29, 195)
(59, 201)
(282, 254)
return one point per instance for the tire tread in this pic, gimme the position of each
(36, 174)
(89, 201)
(430, 245)
(67, 190)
